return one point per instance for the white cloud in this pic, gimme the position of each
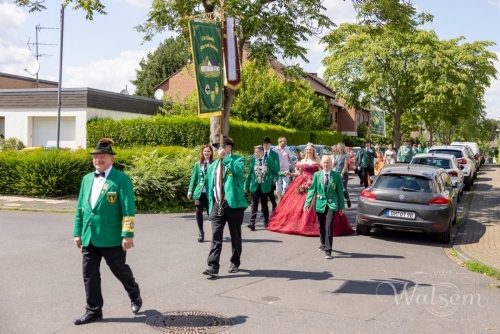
(11, 18)
(106, 74)
(141, 3)
(495, 3)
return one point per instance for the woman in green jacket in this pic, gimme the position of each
(197, 186)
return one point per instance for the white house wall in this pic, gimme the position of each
(18, 122)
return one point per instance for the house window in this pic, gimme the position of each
(336, 117)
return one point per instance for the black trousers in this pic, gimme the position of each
(364, 175)
(234, 219)
(325, 225)
(200, 204)
(115, 258)
(255, 205)
(272, 198)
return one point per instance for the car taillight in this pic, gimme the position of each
(368, 194)
(453, 173)
(462, 161)
(440, 200)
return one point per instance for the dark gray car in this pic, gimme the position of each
(410, 197)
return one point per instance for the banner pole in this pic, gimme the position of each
(223, 89)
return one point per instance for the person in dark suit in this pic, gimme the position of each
(226, 205)
(327, 185)
(104, 228)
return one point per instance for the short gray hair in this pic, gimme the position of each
(259, 147)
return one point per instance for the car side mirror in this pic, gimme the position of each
(461, 167)
(372, 178)
(459, 185)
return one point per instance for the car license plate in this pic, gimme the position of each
(401, 214)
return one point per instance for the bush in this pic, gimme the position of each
(194, 131)
(326, 137)
(12, 144)
(354, 141)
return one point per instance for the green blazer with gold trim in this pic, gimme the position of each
(233, 182)
(251, 181)
(113, 216)
(334, 194)
(198, 180)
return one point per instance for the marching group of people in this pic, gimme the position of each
(307, 206)
(312, 205)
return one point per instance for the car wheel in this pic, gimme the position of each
(363, 229)
(475, 175)
(471, 181)
(458, 196)
(467, 184)
(445, 237)
(454, 222)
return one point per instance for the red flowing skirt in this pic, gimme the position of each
(289, 216)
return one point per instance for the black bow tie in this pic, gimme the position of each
(97, 174)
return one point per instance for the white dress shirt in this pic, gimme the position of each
(97, 187)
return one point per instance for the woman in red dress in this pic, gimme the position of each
(289, 216)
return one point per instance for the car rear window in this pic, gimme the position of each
(403, 182)
(457, 154)
(441, 163)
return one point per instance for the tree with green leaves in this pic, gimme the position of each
(170, 56)
(407, 70)
(276, 27)
(266, 98)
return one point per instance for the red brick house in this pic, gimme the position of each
(351, 118)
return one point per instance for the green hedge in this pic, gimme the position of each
(326, 137)
(155, 131)
(194, 131)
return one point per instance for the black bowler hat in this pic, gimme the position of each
(266, 140)
(225, 140)
(104, 146)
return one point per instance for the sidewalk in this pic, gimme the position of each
(478, 237)
(37, 204)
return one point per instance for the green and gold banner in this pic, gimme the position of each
(378, 123)
(207, 59)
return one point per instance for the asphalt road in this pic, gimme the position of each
(388, 282)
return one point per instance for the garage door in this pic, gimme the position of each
(45, 131)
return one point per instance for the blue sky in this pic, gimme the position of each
(105, 52)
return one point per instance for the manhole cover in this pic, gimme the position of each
(190, 322)
(270, 299)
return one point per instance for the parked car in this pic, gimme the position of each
(463, 158)
(446, 161)
(475, 150)
(410, 197)
(320, 149)
(482, 158)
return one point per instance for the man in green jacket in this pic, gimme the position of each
(259, 180)
(268, 153)
(227, 205)
(104, 228)
(327, 185)
(365, 160)
(405, 152)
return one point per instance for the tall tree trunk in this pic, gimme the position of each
(215, 121)
(431, 136)
(397, 128)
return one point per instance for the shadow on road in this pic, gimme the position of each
(291, 275)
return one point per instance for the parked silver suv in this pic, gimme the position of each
(463, 158)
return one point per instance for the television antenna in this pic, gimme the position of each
(37, 29)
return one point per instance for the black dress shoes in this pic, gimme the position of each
(136, 305)
(201, 237)
(321, 248)
(233, 269)
(251, 227)
(348, 203)
(88, 318)
(211, 272)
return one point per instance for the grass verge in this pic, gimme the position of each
(39, 210)
(482, 269)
